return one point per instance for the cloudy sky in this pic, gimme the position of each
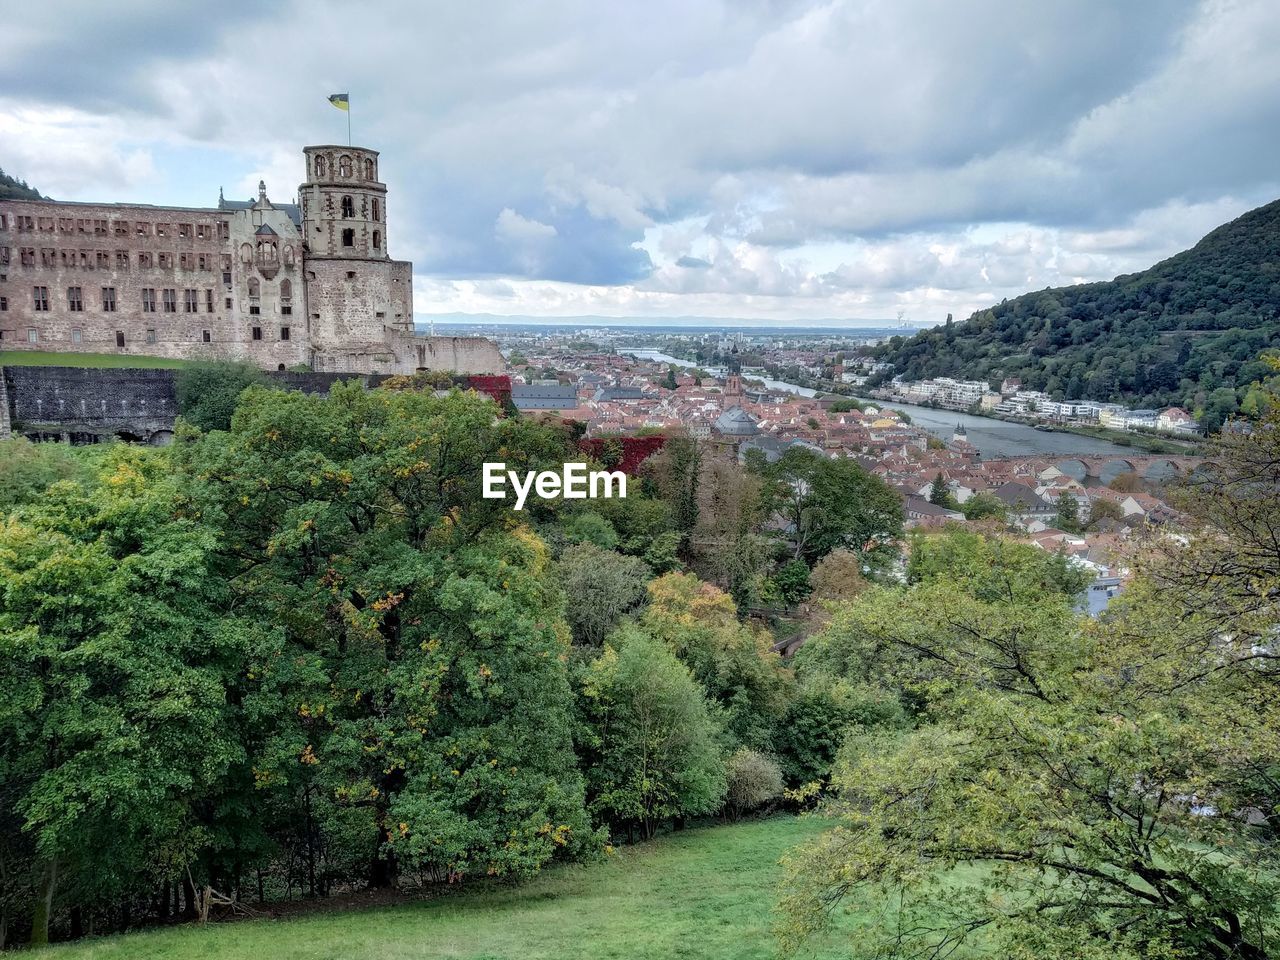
(771, 159)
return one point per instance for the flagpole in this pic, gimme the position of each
(348, 120)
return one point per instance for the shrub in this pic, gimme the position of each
(754, 779)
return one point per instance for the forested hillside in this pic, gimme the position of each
(11, 189)
(1188, 331)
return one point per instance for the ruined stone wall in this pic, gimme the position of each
(82, 404)
(133, 281)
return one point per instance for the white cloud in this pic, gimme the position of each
(821, 157)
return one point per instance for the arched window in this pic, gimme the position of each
(320, 165)
(288, 255)
(368, 169)
(344, 166)
(377, 210)
(246, 253)
(286, 290)
(377, 239)
(348, 208)
(255, 288)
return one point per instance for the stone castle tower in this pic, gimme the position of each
(358, 297)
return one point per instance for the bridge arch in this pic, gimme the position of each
(1159, 470)
(1077, 470)
(1108, 470)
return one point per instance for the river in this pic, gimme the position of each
(993, 438)
(998, 438)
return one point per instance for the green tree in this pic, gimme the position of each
(832, 503)
(982, 505)
(116, 733)
(940, 493)
(1068, 515)
(412, 707)
(601, 588)
(793, 583)
(29, 468)
(753, 780)
(732, 661)
(1093, 775)
(207, 394)
(652, 748)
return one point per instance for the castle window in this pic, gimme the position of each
(254, 310)
(28, 255)
(184, 230)
(246, 253)
(190, 301)
(33, 335)
(164, 261)
(368, 169)
(255, 288)
(122, 228)
(344, 166)
(224, 230)
(208, 301)
(320, 166)
(41, 297)
(100, 228)
(205, 336)
(4, 221)
(104, 260)
(144, 229)
(145, 260)
(226, 277)
(122, 259)
(377, 210)
(119, 338)
(170, 301)
(187, 261)
(4, 304)
(109, 299)
(377, 239)
(203, 232)
(151, 336)
(348, 208)
(351, 274)
(75, 303)
(77, 335)
(4, 256)
(162, 229)
(148, 300)
(284, 333)
(257, 333)
(348, 237)
(228, 303)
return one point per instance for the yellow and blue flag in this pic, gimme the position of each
(340, 100)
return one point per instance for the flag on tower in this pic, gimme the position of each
(340, 100)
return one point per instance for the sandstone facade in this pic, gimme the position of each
(277, 285)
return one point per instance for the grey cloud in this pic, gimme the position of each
(546, 141)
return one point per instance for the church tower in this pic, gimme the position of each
(356, 294)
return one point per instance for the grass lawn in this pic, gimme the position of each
(705, 893)
(40, 358)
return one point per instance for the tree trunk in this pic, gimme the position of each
(382, 869)
(189, 890)
(44, 904)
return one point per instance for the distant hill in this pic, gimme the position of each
(1186, 332)
(11, 189)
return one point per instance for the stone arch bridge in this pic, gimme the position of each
(1152, 468)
